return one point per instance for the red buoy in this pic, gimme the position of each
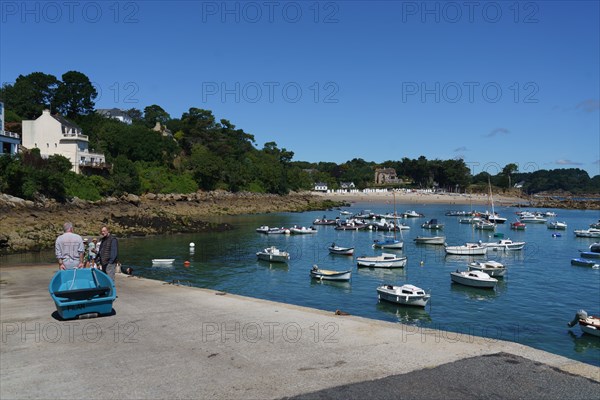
(186, 263)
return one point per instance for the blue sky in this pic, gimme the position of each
(492, 82)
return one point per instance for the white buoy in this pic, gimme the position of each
(192, 244)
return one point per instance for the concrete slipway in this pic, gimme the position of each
(169, 341)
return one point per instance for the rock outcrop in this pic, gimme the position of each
(30, 226)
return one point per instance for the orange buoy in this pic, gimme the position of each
(186, 263)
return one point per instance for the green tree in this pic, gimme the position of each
(154, 114)
(75, 95)
(508, 170)
(30, 94)
(124, 176)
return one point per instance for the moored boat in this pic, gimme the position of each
(474, 278)
(412, 214)
(163, 261)
(432, 224)
(503, 244)
(302, 230)
(585, 262)
(588, 324)
(406, 295)
(518, 226)
(468, 249)
(557, 225)
(589, 233)
(273, 254)
(490, 267)
(430, 240)
(79, 292)
(589, 254)
(388, 243)
(345, 251)
(384, 260)
(329, 275)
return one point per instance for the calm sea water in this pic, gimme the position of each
(532, 304)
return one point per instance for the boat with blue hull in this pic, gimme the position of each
(78, 292)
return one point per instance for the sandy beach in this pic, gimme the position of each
(418, 198)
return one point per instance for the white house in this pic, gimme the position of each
(115, 113)
(53, 134)
(320, 187)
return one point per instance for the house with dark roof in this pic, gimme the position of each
(320, 187)
(115, 113)
(53, 134)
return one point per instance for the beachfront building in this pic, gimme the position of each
(9, 141)
(53, 134)
(320, 187)
(347, 185)
(115, 113)
(385, 176)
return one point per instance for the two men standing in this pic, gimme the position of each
(70, 250)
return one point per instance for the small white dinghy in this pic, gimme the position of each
(329, 275)
(406, 295)
(490, 267)
(386, 260)
(477, 279)
(162, 261)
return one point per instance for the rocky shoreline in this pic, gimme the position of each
(27, 226)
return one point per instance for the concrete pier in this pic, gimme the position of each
(170, 341)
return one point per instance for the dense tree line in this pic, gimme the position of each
(197, 151)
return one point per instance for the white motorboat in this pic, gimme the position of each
(385, 260)
(468, 249)
(430, 240)
(503, 244)
(470, 220)
(490, 267)
(163, 261)
(474, 278)
(496, 219)
(557, 225)
(533, 218)
(329, 275)
(344, 212)
(589, 233)
(345, 251)
(406, 294)
(411, 214)
(273, 254)
(485, 226)
(588, 324)
(302, 230)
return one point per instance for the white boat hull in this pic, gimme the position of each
(344, 251)
(272, 257)
(430, 240)
(383, 261)
(466, 250)
(396, 244)
(467, 281)
(327, 275)
(395, 296)
(492, 270)
(162, 261)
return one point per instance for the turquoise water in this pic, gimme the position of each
(532, 304)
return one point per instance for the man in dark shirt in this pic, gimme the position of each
(108, 252)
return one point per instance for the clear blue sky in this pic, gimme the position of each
(491, 82)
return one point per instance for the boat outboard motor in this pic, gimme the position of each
(581, 314)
